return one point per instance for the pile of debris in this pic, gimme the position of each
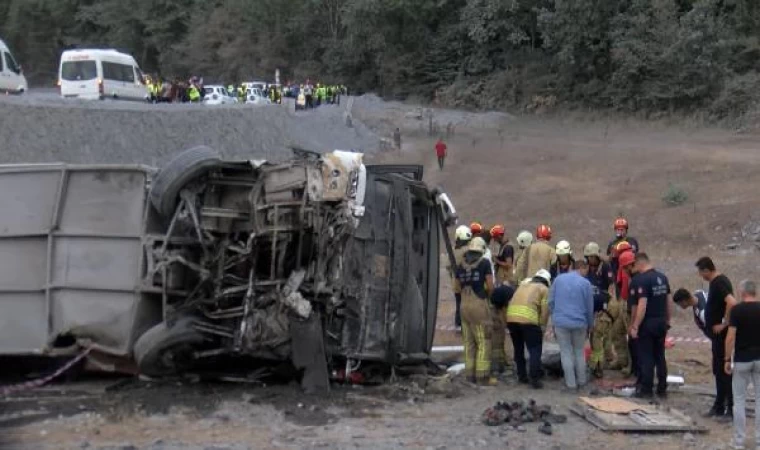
(516, 414)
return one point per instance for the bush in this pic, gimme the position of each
(675, 196)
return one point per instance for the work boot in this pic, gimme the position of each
(727, 417)
(546, 428)
(523, 380)
(598, 372)
(536, 384)
(642, 394)
(715, 411)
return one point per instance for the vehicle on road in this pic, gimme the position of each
(260, 85)
(255, 96)
(321, 262)
(217, 95)
(12, 78)
(94, 74)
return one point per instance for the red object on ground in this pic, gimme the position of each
(440, 149)
(670, 342)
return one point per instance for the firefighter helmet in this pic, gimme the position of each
(463, 233)
(544, 232)
(563, 248)
(497, 231)
(477, 245)
(524, 239)
(591, 249)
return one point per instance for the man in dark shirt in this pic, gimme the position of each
(716, 321)
(698, 303)
(743, 342)
(651, 297)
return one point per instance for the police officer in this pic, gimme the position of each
(603, 284)
(650, 295)
(475, 279)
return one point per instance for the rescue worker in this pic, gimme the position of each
(505, 256)
(540, 254)
(475, 279)
(524, 239)
(231, 90)
(564, 262)
(462, 236)
(301, 99)
(624, 359)
(193, 94)
(621, 235)
(626, 262)
(527, 316)
(477, 230)
(241, 93)
(308, 92)
(605, 311)
(500, 357)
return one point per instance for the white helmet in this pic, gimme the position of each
(563, 248)
(591, 249)
(463, 233)
(524, 239)
(477, 245)
(543, 273)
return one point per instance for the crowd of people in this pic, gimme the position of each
(617, 301)
(306, 95)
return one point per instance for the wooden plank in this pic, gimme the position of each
(640, 421)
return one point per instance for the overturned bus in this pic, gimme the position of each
(321, 262)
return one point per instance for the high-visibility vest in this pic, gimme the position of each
(193, 93)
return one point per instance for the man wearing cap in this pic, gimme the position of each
(474, 279)
(527, 316)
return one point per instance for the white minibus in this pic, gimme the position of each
(97, 74)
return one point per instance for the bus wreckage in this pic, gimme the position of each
(319, 262)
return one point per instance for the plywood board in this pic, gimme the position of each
(613, 405)
(646, 419)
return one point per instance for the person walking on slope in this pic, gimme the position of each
(440, 153)
(571, 302)
(474, 277)
(743, 343)
(721, 301)
(527, 316)
(524, 239)
(651, 296)
(606, 308)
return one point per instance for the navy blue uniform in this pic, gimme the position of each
(653, 286)
(601, 278)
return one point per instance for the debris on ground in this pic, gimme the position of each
(516, 414)
(617, 414)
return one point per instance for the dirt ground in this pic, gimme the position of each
(575, 175)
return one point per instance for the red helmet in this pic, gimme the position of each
(476, 228)
(623, 246)
(544, 232)
(497, 231)
(626, 258)
(621, 223)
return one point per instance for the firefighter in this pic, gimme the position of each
(619, 347)
(540, 254)
(524, 239)
(564, 261)
(527, 316)
(474, 276)
(505, 256)
(603, 284)
(463, 236)
(621, 235)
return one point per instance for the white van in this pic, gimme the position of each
(11, 77)
(98, 74)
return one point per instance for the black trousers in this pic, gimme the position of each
(441, 159)
(724, 395)
(651, 346)
(633, 352)
(530, 337)
(457, 313)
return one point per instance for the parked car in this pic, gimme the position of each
(319, 262)
(255, 96)
(217, 95)
(12, 78)
(94, 74)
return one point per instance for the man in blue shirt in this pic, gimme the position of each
(571, 303)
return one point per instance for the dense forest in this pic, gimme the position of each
(629, 55)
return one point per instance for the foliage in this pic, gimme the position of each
(631, 55)
(675, 196)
